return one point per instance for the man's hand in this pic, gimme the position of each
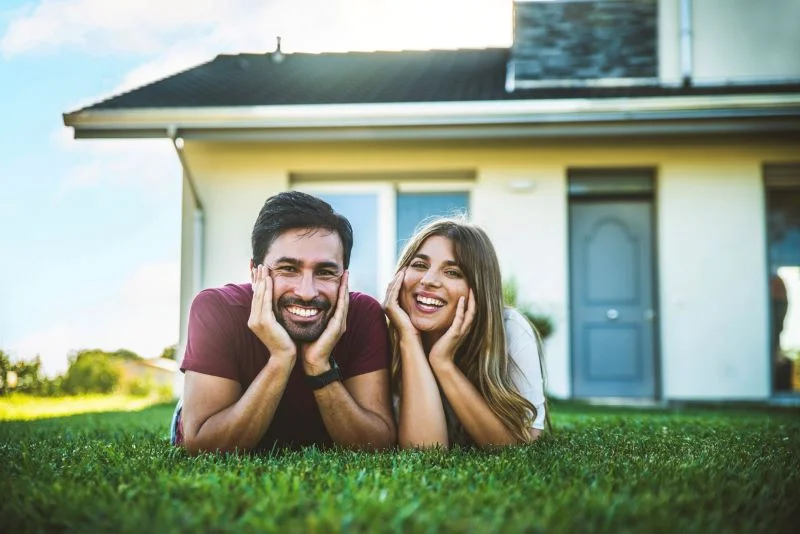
(444, 350)
(316, 355)
(262, 317)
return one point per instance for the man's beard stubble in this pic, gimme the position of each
(299, 332)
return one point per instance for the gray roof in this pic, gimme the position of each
(370, 78)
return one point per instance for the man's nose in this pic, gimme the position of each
(306, 287)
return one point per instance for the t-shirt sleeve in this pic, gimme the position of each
(210, 340)
(524, 352)
(367, 337)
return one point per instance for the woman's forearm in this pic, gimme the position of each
(472, 410)
(422, 421)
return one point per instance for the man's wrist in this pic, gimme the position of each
(318, 380)
(283, 358)
(316, 368)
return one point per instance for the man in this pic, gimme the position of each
(292, 358)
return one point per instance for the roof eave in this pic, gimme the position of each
(756, 113)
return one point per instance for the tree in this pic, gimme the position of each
(5, 366)
(92, 371)
(170, 353)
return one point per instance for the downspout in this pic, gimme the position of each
(686, 42)
(198, 273)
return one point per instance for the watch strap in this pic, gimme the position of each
(322, 380)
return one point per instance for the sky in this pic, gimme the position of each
(90, 229)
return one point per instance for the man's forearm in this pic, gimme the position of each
(242, 425)
(350, 425)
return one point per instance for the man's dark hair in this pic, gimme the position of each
(291, 210)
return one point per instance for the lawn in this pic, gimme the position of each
(601, 470)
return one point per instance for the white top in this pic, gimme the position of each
(524, 352)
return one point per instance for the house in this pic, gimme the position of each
(156, 374)
(635, 162)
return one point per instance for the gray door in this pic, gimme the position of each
(612, 300)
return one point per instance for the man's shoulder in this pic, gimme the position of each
(235, 295)
(362, 300)
(363, 311)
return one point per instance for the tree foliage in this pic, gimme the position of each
(170, 353)
(92, 371)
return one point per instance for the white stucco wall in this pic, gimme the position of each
(713, 279)
(710, 234)
(732, 40)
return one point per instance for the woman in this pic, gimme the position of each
(465, 369)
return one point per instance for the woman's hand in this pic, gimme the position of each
(444, 350)
(391, 305)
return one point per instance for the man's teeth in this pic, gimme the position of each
(302, 312)
(430, 301)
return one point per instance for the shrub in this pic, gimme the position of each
(91, 371)
(542, 322)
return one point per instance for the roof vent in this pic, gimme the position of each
(278, 56)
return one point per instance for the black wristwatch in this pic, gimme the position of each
(320, 381)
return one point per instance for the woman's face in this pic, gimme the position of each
(432, 286)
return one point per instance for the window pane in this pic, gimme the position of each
(783, 227)
(413, 208)
(362, 211)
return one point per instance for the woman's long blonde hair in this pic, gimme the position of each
(483, 355)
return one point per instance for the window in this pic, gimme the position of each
(384, 212)
(783, 249)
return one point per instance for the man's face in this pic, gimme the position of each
(306, 266)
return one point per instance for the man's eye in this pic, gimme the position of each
(328, 274)
(284, 270)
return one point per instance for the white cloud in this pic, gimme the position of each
(103, 27)
(142, 317)
(150, 166)
(147, 27)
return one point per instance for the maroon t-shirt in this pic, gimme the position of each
(220, 344)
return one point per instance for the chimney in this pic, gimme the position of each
(568, 43)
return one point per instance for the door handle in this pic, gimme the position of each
(612, 314)
(649, 315)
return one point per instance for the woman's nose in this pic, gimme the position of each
(430, 278)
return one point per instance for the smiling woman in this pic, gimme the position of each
(464, 368)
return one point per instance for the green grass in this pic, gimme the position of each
(25, 407)
(602, 470)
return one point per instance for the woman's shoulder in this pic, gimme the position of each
(516, 323)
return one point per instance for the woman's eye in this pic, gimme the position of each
(453, 273)
(418, 265)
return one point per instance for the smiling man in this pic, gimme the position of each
(292, 358)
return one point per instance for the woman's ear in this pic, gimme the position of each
(252, 266)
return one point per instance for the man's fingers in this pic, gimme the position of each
(343, 302)
(258, 291)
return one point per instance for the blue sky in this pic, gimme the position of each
(90, 230)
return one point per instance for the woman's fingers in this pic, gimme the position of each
(393, 290)
(470, 313)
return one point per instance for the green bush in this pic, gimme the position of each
(91, 371)
(139, 387)
(542, 322)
